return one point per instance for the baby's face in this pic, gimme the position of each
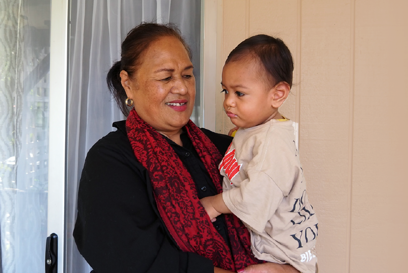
(248, 94)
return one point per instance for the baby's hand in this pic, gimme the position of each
(209, 208)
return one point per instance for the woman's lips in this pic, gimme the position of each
(231, 115)
(177, 105)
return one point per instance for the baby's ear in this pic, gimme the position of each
(280, 93)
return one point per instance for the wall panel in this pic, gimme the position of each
(325, 123)
(381, 95)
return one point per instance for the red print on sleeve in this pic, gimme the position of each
(230, 165)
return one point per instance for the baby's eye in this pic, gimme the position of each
(239, 94)
(224, 91)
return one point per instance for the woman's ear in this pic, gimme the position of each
(125, 81)
(280, 93)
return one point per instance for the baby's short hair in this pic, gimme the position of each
(271, 52)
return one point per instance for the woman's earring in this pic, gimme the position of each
(129, 102)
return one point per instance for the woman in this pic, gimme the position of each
(138, 202)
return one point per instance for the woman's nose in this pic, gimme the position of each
(180, 87)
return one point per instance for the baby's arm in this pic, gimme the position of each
(214, 206)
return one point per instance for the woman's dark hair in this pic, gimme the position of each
(135, 44)
(271, 52)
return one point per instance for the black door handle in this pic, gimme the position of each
(51, 254)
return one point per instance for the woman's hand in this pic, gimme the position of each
(269, 268)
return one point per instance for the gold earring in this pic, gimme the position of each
(129, 102)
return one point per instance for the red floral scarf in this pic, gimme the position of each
(176, 196)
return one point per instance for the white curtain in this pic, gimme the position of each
(24, 92)
(97, 30)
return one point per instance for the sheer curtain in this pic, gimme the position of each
(97, 30)
(24, 93)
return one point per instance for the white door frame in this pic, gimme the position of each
(57, 125)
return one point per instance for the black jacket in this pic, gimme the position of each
(118, 227)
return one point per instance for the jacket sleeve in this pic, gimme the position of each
(118, 228)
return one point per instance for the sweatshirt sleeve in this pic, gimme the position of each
(270, 175)
(118, 228)
(255, 201)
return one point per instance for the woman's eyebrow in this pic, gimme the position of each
(164, 70)
(188, 67)
(172, 70)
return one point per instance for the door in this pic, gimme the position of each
(33, 42)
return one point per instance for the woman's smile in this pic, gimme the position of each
(178, 105)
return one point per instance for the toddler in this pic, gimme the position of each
(263, 182)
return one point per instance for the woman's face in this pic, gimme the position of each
(163, 87)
